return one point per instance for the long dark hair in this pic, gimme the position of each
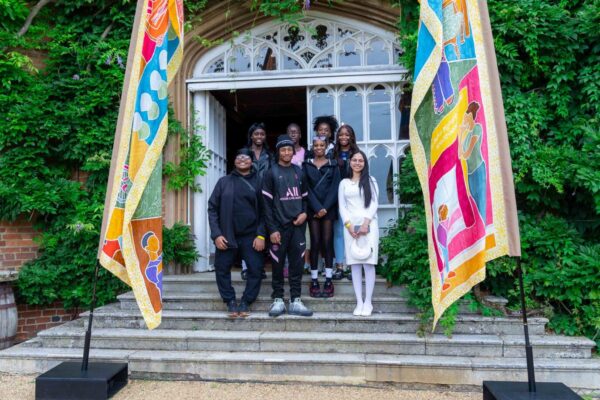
(364, 184)
(338, 147)
(253, 127)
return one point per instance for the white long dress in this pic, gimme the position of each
(352, 208)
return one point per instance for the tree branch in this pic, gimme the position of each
(32, 14)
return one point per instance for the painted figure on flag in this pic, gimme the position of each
(132, 243)
(454, 138)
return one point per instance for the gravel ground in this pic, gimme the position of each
(13, 387)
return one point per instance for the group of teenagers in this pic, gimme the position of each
(269, 199)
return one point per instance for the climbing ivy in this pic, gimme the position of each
(549, 63)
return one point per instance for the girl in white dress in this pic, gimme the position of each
(357, 196)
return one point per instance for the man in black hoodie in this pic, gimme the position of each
(237, 225)
(284, 202)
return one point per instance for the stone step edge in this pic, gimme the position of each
(22, 352)
(114, 311)
(215, 296)
(221, 335)
(235, 278)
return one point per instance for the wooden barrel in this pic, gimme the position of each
(8, 316)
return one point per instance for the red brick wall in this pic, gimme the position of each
(33, 319)
(16, 244)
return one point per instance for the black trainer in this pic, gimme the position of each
(232, 309)
(243, 309)
(338, 274)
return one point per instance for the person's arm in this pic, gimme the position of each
(343, 206)
(332, 195)
(268, 203)
(214, 204)
(372, 209)
(313, 200)
(261, 229)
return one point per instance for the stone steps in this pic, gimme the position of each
(197, 340)
(338, 303)
(112, 316)
(350, 368)
(545, 346)
(205, 283)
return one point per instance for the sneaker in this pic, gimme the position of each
(298, 308)
(338, 274)
(244, 274)
(327, 289)
(232, 309)
(243, 309)
(277, 308)
(314, 290)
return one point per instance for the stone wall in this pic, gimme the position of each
(17, 244)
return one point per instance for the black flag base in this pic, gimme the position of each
(67, 381)
(498, 390)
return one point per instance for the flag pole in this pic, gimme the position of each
(528, 348)
(88, 332)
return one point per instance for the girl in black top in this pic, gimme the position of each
(345, 146)
(322, 178)
(257, 144)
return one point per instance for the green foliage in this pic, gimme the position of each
(549, 63)
(179, 246)
(56, 137)
(193, 158)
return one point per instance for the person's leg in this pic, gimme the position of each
(315, 289)
(327, 250)
(369, 286)
(295, 251)
(357, 283)
(223, 262)
(255, 262)
(278, 254)
(338, 240)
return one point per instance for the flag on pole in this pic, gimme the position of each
(131, 236)
(460, 148)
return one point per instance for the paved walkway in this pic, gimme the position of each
(23, 388)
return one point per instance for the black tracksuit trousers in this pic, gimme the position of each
(224, 259)
(293, 246)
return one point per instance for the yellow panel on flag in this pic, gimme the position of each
(460, 148)
(131, 242)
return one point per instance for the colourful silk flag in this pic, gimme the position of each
(460, 148)
(131, 239)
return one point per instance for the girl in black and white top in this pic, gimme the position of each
(322, 178)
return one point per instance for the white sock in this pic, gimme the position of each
(369, 282)
(244, 266)
(328, 272)
(357, 282)
(314, 274)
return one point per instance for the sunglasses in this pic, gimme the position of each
(242, 157)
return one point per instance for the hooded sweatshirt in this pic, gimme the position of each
(235, 207)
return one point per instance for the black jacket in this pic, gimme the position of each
(284, 196)
(220, 207)
(322, 186)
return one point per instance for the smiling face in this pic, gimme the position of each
(357, 163)
(324, 130)
(319, 147)
(343, 137)
(243, 163)
(285, 155)
(258, 137)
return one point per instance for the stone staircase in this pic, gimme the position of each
(196, 340)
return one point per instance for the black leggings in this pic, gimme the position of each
(321, 242)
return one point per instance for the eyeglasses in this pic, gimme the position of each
(242, 157)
